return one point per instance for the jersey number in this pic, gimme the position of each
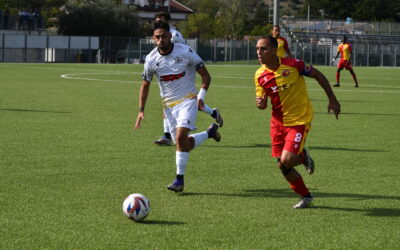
(298, 137)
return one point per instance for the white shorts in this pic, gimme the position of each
(182, 115)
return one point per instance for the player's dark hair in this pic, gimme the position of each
(344, 39)
(276, 25)
(272, 41)
(160, 25)
(164, 15)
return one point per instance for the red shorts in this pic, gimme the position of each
(291, 139)
(344, 64)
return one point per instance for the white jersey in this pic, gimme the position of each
(176, 36)
(175, 72)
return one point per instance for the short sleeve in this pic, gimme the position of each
(194, 59)
(177, 37)
(148, 73)
(303, 69)
(260, 91)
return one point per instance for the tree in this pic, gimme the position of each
(98, 18)
(205, 23)
(219, 19)
(31, 4)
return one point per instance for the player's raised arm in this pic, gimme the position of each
(333, 105)
(144, 92)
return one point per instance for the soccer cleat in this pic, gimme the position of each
(163, 141)
(336, 85)
(356, 85)
(308, 161)
(213, 132)
(176, 187)
(304, 203)
(218, 117)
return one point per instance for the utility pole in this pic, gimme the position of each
(276, 12)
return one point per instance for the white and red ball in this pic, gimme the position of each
(136, 207)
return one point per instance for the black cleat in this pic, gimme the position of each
(308, 162)
(176, 187)
(218, 117)
(164, 141)
(213, 132)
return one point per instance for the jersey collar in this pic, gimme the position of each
(173, 45)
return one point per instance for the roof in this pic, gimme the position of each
(174, 7)
(178, 7)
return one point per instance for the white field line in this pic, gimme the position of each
(77, 76)
(230, 76)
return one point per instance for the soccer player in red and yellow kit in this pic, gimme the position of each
(283, 47)
(281, 79)
(344, 50)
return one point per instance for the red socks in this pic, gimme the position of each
(299, 187)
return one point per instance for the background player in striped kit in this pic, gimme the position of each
(283, 46)
(344, 50)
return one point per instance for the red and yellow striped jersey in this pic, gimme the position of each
(345, 51)
(282, 47)
(287, 90)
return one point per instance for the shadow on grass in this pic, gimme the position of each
(310, 147)
(378, 212)
(284, 193)
(259, 145)
(31, 110)
(351, 113)
(341, 100)
(162, 222)
(345, 149)
(287, 193)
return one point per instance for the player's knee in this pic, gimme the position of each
(183, 143)
(284, 169)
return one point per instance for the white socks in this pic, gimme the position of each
(166, 126)
(199, 138)
(207, 109)
(181, 162)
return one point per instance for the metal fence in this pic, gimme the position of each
(313, 48)
(341, 27)
(368, 50)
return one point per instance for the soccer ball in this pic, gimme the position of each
(136, 207)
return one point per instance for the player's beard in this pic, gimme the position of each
(165, 48)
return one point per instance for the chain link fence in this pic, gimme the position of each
(368, 50)
(313, 48)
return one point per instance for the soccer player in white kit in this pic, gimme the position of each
(177, 37)
(175, 67)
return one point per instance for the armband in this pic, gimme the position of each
(202, 94)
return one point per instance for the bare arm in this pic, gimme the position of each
(261, 102)
(205, 84)
(338, 53)
(144, 92)
(333, 104)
